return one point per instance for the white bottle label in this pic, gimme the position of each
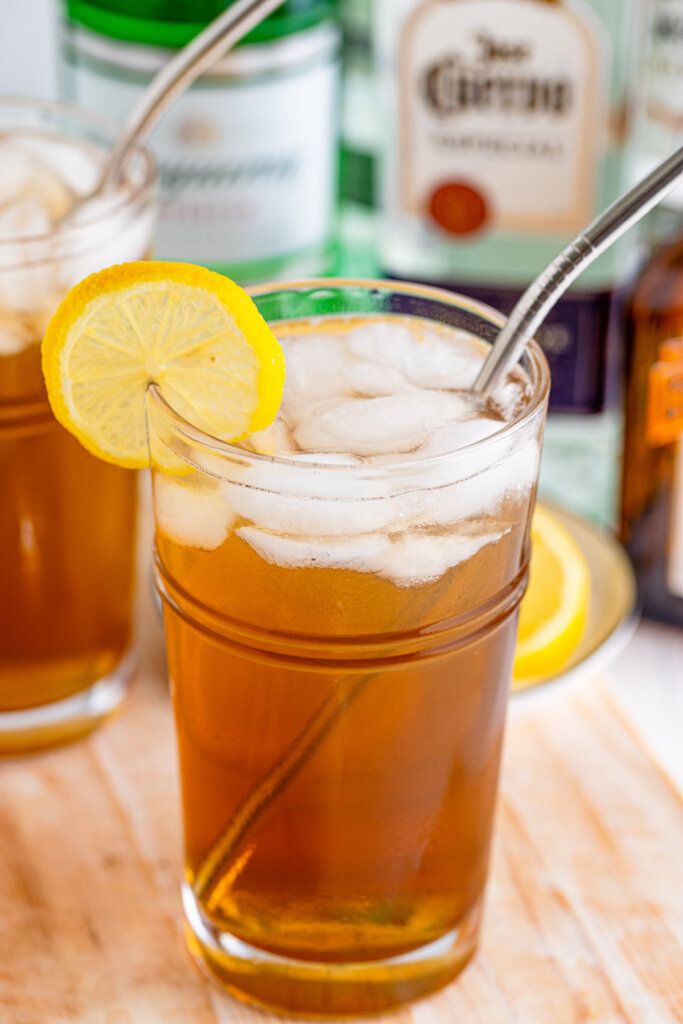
(501, 117)
(660, 113)
(246, 157)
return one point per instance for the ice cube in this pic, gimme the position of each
(191, 515)
(490, 476)
(359, 553)
(443, 365)
(384, 342)
(420, 558)
(510, 397)
(426, 358)
(16, 168)
(273, 440)
(315, 516)
(328, 505)
(372, 381)
(377, 426)
(23, 218)
(77, 167)
(314, 368)
(457, 435)
(27, 271)
(23, 176)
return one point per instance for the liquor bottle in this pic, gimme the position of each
(504, 128)
(652, 473)
(658, 127)
(248, 155)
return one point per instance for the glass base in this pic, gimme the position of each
(318, 990)
(63, 721)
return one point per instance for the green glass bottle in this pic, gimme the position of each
(248, 156)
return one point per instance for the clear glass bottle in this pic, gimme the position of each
(505, 124)
(248, 156)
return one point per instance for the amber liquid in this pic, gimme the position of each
(339, 740)
(66, 534)
(654, 315)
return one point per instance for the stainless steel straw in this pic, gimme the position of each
(550, 285)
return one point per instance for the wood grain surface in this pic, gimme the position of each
(584, 916)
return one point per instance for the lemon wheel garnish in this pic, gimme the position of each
(195, 333)
(555, 607)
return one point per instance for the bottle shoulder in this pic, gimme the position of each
(140, 21)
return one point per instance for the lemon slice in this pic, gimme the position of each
(555, 607)
(193, 332)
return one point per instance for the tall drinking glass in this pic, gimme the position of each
(340, 621)
(67, 520)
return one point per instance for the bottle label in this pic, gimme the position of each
(660, 110)
(664, 423)
(500, 116)
(246, 157)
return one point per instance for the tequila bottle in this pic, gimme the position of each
(248, 156)
(505, 124)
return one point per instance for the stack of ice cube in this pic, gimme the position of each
(51, 234)
(385, 393)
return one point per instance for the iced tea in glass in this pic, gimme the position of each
(67, 520)
(340, 600)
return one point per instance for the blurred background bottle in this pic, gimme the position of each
(359, 140)
(652, 475)
(505, 125)
(248, 156)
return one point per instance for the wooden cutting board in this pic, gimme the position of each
(584, 918)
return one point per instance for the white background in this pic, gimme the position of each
(28, 45)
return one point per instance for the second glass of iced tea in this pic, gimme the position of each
(340, 601)
(67, 520)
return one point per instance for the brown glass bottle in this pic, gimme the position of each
(652, 478)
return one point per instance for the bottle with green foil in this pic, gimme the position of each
(248, 155)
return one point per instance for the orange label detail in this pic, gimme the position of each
(664, 423)
(458, 208)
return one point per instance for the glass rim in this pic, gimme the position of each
(127, 200)
(533, 354)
